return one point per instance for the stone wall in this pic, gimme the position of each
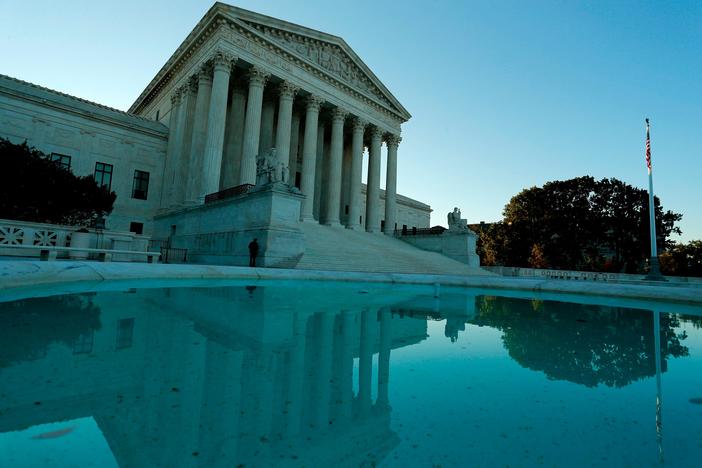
(219, 233)
(410, 212)
(458, 246)
(54, 122)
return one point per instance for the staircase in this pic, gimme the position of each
(339, 249)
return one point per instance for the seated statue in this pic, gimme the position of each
(455, 223)
(270, 170)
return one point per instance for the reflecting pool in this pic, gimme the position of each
(293, 374)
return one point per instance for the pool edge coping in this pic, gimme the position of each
(25, 275)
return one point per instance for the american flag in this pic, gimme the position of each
(648, 147)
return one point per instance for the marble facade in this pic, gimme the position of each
(240, 87)
(243, 83)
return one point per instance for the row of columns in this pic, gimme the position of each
(198, 126)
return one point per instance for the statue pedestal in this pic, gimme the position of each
(219, 233)
(460, 245)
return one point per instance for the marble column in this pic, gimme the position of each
(189, 101)
(393, 142)
(180, 153)
(171, 150)
(216, 119)
(320, 164)
(309, 156)
(197, 144)
(294, 145)
(373, 188)
(287, 93)
(331, 217)
(359, 127)
(267, 125)
(252, 125)
(231, 160)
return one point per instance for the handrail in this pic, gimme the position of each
(228, 193)
(432, 231)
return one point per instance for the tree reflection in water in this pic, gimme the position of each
(30, 326)
(584, 344)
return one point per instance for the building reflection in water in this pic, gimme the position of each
(264, 376)
(208, 377)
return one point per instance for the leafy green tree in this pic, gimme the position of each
(579, 223)
(33, 188)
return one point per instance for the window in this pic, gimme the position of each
(84, 343)
(103, 175)
(61, 160)
(298, 179)
(125, 333)
(136, 228)
(157, 114)
(140, 188)
(382, 225)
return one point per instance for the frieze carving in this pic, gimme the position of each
(330, 57)
(257, 50)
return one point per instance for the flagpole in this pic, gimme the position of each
(654, 273)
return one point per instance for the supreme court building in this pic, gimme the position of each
(246, 103)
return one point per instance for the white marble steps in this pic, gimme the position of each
(339, 249)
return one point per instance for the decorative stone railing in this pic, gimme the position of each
(575, 275)
(14, 233)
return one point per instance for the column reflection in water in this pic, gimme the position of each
(214, 377)
(365, 364)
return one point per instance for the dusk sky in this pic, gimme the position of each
(504, 94)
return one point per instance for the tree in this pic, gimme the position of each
(683, 259)
(31, 326)
(579, 223)
(34, 188)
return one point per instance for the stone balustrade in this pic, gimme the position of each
(15, 233)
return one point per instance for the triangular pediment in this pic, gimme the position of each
(329, 53)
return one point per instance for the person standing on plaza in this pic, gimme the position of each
(253, 252)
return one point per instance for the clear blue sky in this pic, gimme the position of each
(504, 94)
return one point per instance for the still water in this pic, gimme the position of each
(344, 375)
